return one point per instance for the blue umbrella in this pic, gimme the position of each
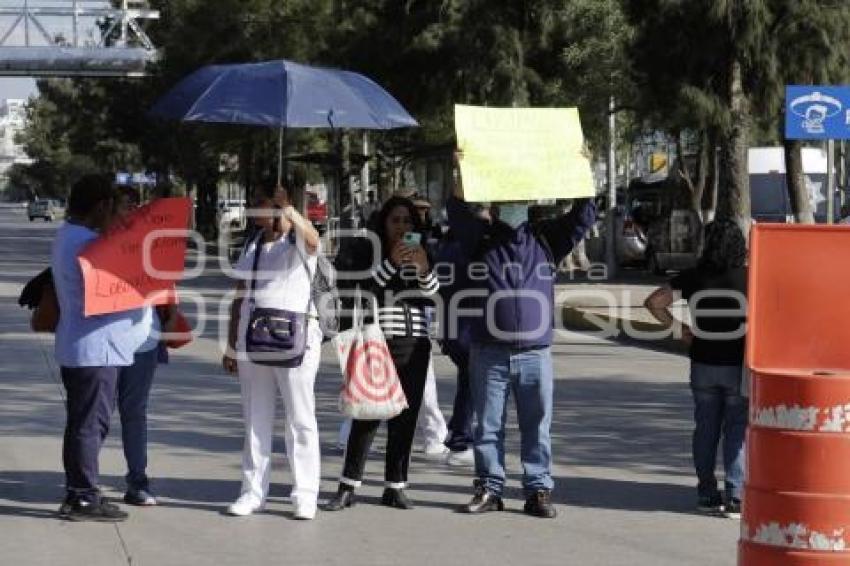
(283, 94)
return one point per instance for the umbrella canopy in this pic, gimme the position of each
(283, 94)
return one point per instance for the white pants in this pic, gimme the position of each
(431, 425)
(302, 432)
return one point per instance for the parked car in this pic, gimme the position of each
(673, 231)
(46, 209)
(317, 212)
(230, 213)
(631, 241)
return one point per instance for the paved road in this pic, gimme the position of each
(621, 448)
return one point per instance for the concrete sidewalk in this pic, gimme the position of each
(615, 311)
(621, 459)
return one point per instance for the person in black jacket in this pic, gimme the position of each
(716, 293)
(403, 268)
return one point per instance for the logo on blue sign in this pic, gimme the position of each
(814, 108)
(817, 112)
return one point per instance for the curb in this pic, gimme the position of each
(581, 321)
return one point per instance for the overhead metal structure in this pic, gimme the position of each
(28, 48)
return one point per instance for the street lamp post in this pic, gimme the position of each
(610, 220)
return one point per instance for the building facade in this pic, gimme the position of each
(13, 116)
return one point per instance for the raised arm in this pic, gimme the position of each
(466, 226)
(564, 232)
(303, 228)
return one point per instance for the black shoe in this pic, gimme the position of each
(732, 508)
(344, 498)
(67, 503)
(139, 498)
(99, 511)
(711, 504)
(396, 498)
(539, 504)
(483, 501)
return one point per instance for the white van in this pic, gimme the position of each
(769, 197)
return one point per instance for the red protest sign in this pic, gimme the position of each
(138, 262)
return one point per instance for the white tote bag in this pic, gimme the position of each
(371, 389)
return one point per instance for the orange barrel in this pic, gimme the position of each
(796, 504)
(797, 493)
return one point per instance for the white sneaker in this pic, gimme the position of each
(246, 505)
(436, 451)
(305, 511)
(463, 458)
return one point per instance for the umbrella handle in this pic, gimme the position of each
(280, 156)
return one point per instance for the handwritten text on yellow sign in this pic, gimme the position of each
(522, 154)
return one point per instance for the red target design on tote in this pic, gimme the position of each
(372, 374)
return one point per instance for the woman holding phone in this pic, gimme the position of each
(405, 270)
(287, 245)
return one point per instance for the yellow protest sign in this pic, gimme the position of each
(522, 154)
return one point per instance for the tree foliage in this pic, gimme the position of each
(709, 72)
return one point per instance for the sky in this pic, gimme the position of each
(23, 87)
(17, 87)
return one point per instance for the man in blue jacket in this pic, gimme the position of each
(512, 275)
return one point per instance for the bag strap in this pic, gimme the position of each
(310, 275)
(408, 318)
(359, 312)
(258, 248)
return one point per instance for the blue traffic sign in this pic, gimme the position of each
(124, 178)
(817, 112)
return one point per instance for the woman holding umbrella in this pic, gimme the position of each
(287, 245)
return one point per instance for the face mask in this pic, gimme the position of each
(513, 214)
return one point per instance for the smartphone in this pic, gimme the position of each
(412, 239)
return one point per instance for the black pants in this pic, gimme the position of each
(460, 425)
(91, 393)
(411, 357)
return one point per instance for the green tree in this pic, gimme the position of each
(811, 45)
(701, 65)
(719, 68)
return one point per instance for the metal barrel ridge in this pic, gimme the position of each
(797, 494)
(796, 504)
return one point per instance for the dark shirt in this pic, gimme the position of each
(715, 350)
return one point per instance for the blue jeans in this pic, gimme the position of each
(496, 371)
(719, 409)
(134, 387)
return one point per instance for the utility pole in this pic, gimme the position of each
(830, 181)
(610, 213)
(76, 24)
(364, 172)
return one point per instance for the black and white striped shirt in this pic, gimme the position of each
(401, 319)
